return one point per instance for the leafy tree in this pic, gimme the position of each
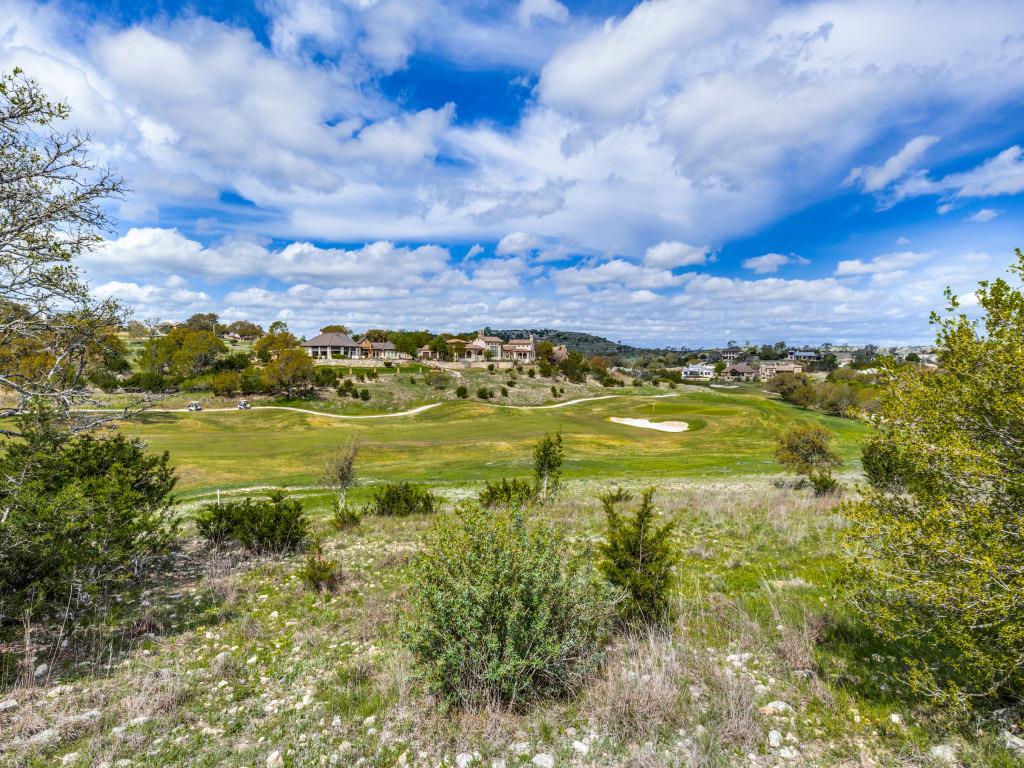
(638, 556)
(439, 344)
(547, 464)
(204, 321)
(52, 200)
(226, 383)
(806, 449)
(274, 343)
(245, 329)
(376, 334)
(278, 326)
(719, 367)
(545, 351)
(290, 370)
(935, 547)
(912, 357)
(574, 367)
(183, 352)
(337, 328)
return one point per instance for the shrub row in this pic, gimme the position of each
(274, 524)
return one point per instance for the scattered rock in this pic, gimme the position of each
(789, 753)
(774, 739)
(944, 753)
(1013, 743)
(463, 759)
(369, 721)
(43, 737)
(274, 760)
(775, 708)
(41, 669)
(543, 760)
(519, 748)
(581, 747)
(896, 718)
(7, 704)
(69, 758)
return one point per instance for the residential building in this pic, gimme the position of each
(332, 345)
(519, 350)
(803, 355)
(699, 371)
(770, 368)
(379, 350)
(739, 372)
(731, 353)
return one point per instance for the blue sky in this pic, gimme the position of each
(680, 172)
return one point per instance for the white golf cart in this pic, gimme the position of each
(195, 406)
(243, 405)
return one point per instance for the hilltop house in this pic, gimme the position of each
(803, 355)
(332, 345)
(731, 353)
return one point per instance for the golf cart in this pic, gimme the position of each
(195, 406)
(243, 405)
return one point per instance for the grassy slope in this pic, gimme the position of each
(731, 434)
(235, 661)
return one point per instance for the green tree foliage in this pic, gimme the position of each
(336, 328)
(292, 369)
(638, 556)
(547, 465)
(807, 450)
(339, 470)
(182, 353)
(320, 572)
(935, 548)
(84, 515)
(274, 343)
(274, 524)
(574, 367)
(503, 612)
(226, 383)
(204, 321)
(245, 329)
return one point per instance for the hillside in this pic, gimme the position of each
(587, 343)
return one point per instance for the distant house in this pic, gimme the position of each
(699, 371)
(740, 372)
(731, 353)
(803, 355)
(771, 368)
(332, 345)
(485, 348)
(379, 350)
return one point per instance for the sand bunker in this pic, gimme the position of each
(661, 426)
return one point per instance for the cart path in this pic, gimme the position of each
(410, 412)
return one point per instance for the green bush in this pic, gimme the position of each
(508, 494)
(484, 393)
(935, 539)
(346, 517)
(401, 499)
(80, 515)
(461, 391)
(638, 556)
(364, 395)
(320, 572)
(503, 613)
(274, 524)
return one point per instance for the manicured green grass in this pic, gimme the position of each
(731, 434)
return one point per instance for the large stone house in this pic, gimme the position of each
(486, 348)
(739, 372)
(379, 350)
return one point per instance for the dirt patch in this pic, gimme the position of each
(661, 426)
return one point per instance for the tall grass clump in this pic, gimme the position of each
(508, 494)
(503, 613)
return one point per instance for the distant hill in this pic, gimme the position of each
(587, 343)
